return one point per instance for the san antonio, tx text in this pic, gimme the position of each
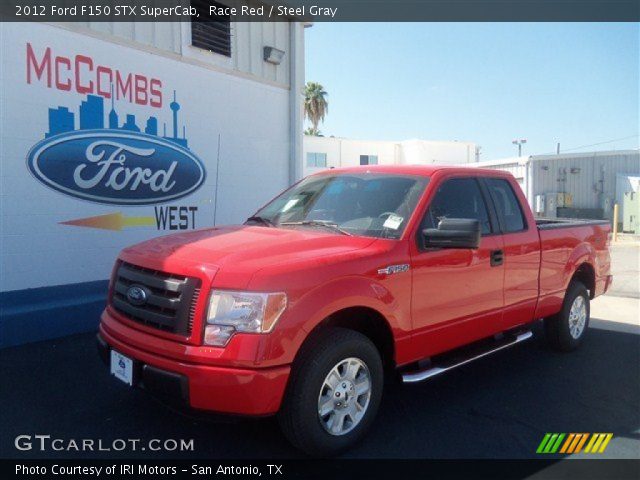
(129, 469)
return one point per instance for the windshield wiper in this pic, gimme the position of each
(319, 223)
(262, 220)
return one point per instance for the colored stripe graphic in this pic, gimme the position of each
(606, 441)
(551, 443)
(600, 443)
(594, 437)
(556, 445)
(581, 442)
(543, 443)
(112, 221)
(579, 437)
(567, 443)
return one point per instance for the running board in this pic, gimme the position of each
(412, 377)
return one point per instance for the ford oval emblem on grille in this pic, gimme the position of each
(136, 295)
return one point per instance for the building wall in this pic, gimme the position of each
(589, 177)
(247, 39)
(421, 152)
(343, 152)
(59, 235)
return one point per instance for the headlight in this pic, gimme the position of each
(248, 312)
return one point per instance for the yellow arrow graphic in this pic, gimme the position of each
(112, 221)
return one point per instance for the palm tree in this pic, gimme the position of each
(315, 105)
(313, 132)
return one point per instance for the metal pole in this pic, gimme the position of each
(615, 222)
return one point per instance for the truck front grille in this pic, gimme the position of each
(168, 302)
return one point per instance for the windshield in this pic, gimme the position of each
(369, 204)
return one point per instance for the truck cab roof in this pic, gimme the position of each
(421, 170)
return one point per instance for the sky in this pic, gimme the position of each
(488, 83)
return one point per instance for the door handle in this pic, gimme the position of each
(497, 258)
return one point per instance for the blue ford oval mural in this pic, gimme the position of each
(119, 166)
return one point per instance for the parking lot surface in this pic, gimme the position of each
(498, 407)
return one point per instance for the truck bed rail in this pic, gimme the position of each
(553, 223)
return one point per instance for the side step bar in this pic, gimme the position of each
(412, 377)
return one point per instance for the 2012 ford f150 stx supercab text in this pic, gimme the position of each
(348, 276)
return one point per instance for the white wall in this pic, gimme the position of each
(345, 152)
(253, 118)
(247, 40)
(422, 152)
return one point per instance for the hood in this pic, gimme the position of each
(245, 249)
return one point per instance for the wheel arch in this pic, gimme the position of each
(367, 321)
(586, 274)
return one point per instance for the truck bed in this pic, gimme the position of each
(565, 244)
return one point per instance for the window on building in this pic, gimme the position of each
(458, 198)
(368, 159)
(210, 32)
(315, 159)
(507, 205)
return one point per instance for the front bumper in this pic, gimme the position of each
(203, 387)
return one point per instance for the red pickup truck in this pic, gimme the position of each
(349, 276)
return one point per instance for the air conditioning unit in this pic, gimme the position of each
(631, 213)
(551, 206)
(539, 204)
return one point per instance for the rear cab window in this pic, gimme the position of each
(509, 210)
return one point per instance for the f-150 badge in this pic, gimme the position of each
(391, 269)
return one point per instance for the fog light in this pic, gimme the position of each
(218, 335)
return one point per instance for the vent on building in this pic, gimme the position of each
(210, 32)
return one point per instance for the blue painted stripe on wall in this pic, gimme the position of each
(43, 313)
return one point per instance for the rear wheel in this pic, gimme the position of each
(565, 331)
(334, 392)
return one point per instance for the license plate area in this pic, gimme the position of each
(122, 367)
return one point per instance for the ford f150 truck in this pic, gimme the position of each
(348, 276)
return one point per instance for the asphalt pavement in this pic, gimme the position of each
(498, 407)
(625, 263)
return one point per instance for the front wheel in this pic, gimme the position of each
(565, 331)
(334, 392)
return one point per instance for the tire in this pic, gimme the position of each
(310, 387)
(566, 330)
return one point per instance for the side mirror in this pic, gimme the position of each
(453, 233)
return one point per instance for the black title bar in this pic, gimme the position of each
(323, 469)
(323, 10)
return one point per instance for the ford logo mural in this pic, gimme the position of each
(116, 167)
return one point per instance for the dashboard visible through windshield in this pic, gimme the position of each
(368, 204)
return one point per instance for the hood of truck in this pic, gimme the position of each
(238, 252)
